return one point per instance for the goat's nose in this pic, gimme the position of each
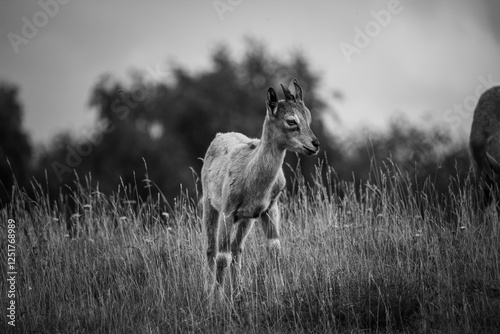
(315, 142)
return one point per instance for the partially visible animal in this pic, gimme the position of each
(242, 179)
(484, 147)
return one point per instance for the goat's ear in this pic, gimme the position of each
(272, 101)
(296, 87)
(288, 95)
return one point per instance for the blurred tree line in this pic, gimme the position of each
(155, 132)
(15, 147)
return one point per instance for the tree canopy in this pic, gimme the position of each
(151, 134)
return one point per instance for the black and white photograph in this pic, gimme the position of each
(250, 166)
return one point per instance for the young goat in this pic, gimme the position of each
(485, 146)
(242, 179)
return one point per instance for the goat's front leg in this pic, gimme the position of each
(271, 226)
(237, 246)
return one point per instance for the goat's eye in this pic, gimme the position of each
(291, 122)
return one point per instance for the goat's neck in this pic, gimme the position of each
(268, 158)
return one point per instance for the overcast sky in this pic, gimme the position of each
(426, 58)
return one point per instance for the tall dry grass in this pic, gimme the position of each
(380, 259)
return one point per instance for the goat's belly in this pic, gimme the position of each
(252, 210)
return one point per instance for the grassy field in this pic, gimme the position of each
(374, 261)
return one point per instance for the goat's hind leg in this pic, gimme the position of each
(224, 257)
(210, 220)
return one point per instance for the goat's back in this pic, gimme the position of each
(229, 151)
(485, 135)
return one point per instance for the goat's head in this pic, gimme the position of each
(290, 120)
